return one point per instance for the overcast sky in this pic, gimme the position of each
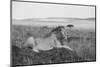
(24, 10)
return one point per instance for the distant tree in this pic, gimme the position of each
(70, 26)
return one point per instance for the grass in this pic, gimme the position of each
(82, 41)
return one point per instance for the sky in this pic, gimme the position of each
(26, 10)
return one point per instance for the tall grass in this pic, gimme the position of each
(82, 41)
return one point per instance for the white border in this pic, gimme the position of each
(5, 33)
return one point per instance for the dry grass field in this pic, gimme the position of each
(82, 41)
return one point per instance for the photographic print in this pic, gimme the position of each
(52, 33)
